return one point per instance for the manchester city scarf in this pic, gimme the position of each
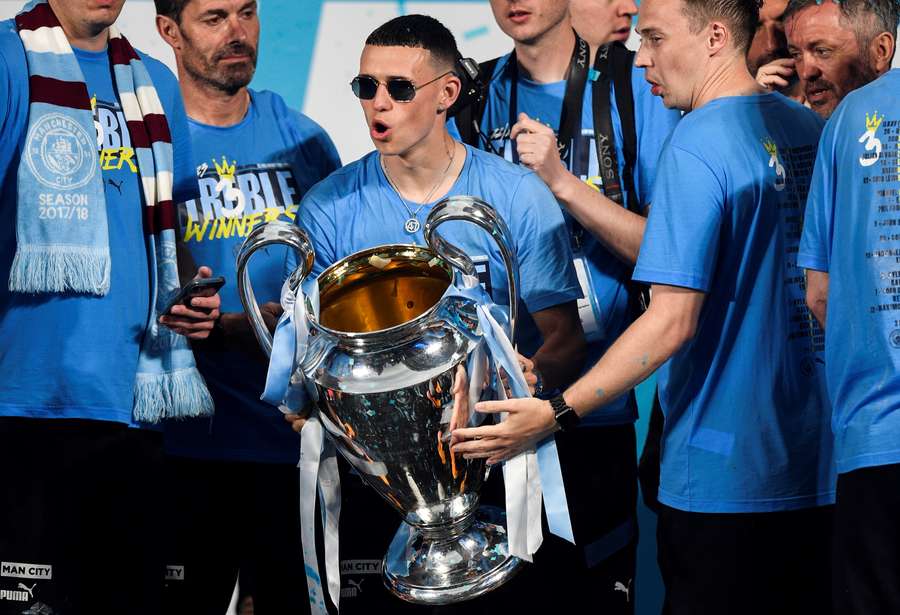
(70, 253)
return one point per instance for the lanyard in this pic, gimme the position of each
(604, 136)
(570, 121)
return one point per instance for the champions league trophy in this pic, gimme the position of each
(397, 363)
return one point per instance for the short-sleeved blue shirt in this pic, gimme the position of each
(852, 231)
(356, 208)
(747, 422)
(250, 173)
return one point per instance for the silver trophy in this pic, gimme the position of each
(396, 367)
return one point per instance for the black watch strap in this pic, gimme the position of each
(565, 415)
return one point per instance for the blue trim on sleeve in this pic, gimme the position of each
(812, 261)
(670, 278)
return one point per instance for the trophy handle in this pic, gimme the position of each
(275, 232)
(476, 211)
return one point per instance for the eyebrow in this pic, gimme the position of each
(649, 30)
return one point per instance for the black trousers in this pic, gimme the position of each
(867, 542)
(746, 564)
(367, 526)
(228, 517)
(81, 518)
(596, 575)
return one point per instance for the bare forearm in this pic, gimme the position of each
(618, 229)
(638, 352)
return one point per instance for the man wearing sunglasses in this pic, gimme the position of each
(593, 135)
(406, 84)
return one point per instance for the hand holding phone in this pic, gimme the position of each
(198, 287)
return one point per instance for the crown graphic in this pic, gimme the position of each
(770, 146)
(872, 123)
(225, 170)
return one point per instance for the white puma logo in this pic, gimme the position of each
(626, 589)
(356, 584)
(30, 590)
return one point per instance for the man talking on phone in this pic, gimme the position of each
(93, 152)
(254, 158)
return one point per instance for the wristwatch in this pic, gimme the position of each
(565, 415)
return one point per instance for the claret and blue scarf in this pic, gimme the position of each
(72, 255)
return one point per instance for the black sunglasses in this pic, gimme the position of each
(401, 90)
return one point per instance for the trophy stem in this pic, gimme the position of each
(437, 533)
(451, 564)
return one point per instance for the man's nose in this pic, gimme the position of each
(807, 67)
(382, 100)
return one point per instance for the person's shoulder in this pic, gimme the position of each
(12, 53)
(270, 101)
(341, 184)
(160, 74)
(500, 64)
(865, 100)
(491, 164)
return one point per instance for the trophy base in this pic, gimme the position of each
(462, 562)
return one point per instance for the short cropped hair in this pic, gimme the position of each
(419, 31)
(867, 18)
(170, 8)
(741, 17)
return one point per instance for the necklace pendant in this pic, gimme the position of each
(412, 226)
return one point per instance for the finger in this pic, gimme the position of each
(785, 71)
(525, 362)
(783, 62)
(535, 141)
(772, 82)
(489, 407)
(527, 125)
(203, 272)
(181, 312)
(186, 327)
(206, 303)
(471, 433)
(484, 448)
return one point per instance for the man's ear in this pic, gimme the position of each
(449, 92)
(169, 31)
(717, 36)
(881, 52)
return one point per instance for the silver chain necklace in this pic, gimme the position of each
(412, 225)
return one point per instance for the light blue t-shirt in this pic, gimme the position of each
(604, 309)
(355, 208)
(852, 231)
(247, 174)
(75, 356)
(746, 417)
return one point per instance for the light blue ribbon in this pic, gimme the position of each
(556, 504)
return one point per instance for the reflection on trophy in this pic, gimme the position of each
(396, 364)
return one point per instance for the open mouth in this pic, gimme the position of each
(380, 130)
(815, 95)
(655, 88)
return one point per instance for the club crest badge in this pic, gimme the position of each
(58, 150)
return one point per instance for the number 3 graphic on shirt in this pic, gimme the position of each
(779, 172)
(872, 142)
(230, 192)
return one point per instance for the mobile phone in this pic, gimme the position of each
(200, 287)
